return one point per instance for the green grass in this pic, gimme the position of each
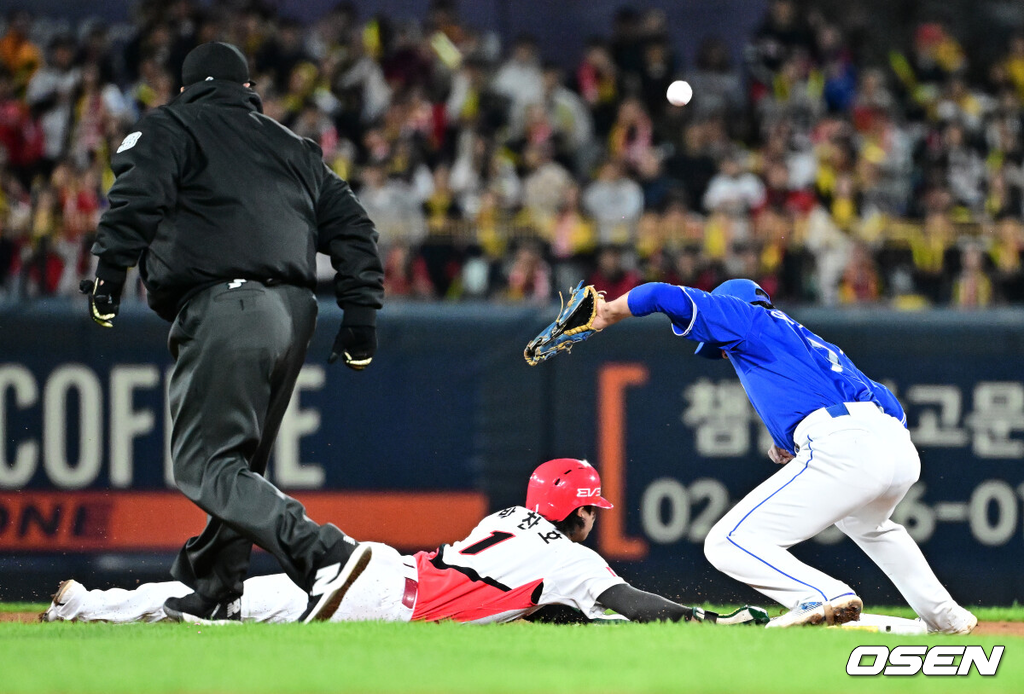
(23, 606)
(516, 658)
(1015, 613)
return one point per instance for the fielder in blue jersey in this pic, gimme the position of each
(841, 437)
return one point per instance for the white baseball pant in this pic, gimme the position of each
(382, 593)
(850, 470)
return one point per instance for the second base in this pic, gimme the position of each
(884, 624)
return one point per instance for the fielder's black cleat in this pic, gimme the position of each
(341, 566)
(195, 609)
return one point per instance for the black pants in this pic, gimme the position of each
(238, 349)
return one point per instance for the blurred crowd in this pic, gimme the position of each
(492, 173)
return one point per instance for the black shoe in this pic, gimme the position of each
(341, 566)
(195, 609)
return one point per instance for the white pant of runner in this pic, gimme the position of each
(377, 595)
(851, 470)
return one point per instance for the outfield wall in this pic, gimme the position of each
(449, 421)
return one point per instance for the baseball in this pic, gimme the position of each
(679, 93)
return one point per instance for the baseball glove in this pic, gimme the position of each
(574, 324)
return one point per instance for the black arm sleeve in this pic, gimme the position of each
(148, 166)
(348, 236)
(639, 606)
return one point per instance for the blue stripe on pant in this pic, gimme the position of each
(744, 549)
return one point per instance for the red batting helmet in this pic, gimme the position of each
(560, 486)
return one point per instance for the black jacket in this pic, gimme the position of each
(209, 189)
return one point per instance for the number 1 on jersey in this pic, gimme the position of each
(832, 356)
(494, 538)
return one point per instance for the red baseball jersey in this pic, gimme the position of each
(512, 563)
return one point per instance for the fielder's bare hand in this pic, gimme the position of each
(779, 456)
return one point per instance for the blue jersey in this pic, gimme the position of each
(786, 370)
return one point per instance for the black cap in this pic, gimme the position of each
(215, 60)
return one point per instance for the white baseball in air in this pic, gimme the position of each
(679, 93)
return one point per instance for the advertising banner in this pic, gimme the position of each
(449, 421)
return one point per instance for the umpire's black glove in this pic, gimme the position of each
(357, 338)
(104, 297)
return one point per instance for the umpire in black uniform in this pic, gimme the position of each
(224, 209)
